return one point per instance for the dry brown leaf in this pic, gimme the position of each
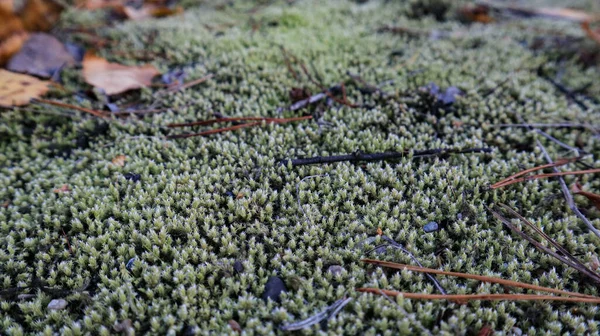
(116, 78)
(17, 89)
(148, 11)
(10, 22)
(11, 46)
(119, 160)
(594, 198)
(40, 15)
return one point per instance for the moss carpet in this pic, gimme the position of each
(183, 237)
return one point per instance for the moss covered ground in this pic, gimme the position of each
(202, 203)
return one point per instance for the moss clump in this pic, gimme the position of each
(202, 205)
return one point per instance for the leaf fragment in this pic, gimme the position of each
(18, 89)
(116, 78)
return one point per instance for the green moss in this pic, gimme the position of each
(185, 230)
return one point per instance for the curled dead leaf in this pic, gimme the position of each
(17, 89)
(116, 78)
(119, 160)
(11, 46)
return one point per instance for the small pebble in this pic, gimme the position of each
(129, 265)
(430, 227)
(132, 177)
(57, 304)
(335, 269)
(238, 266)
(273, 289)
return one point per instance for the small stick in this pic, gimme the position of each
(233, 119)
(540, 176)
(514, 177)
(381, 156)
(190, 84)
(565, 257)
(236, 127)
(556, 125)
(568, 196)
(485, 297)
(412, 256)
(482, 278)
(100, 114)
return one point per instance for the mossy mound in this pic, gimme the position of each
(200, 204)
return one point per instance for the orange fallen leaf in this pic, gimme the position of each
(17, 89)
(40, 15)
(594, 198)
(11, 46)
(119, 160)
(11, 23)
(64, 189)
(148, 11)
(476, 13)
(379, 231)
(116, 78)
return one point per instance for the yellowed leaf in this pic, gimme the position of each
(116, 78)
(119, 160)
(17, 89)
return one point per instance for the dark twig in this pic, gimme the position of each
(556, 125)
(565, 257)
(567, 194)
(328, 313)
(232, 128)
(399, 246)
(354, 157)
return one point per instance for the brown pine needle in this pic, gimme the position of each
(482, 278)
(190, 84)
(485, 297)
(233, 119)
(233, 128)
(100, 114)
(516, 177)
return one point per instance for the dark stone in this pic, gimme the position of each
(273, 289)
(133, 177)
(431, 227)
(238, 266)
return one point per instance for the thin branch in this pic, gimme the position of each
(328, 313)
(100, 114)
(482, 278)
(556, 125)
(566, 258)
(568, 196)
(486, 297)
(540, 176)
(354, 157)
(233, 128)
(510, 179)
(395, 244)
